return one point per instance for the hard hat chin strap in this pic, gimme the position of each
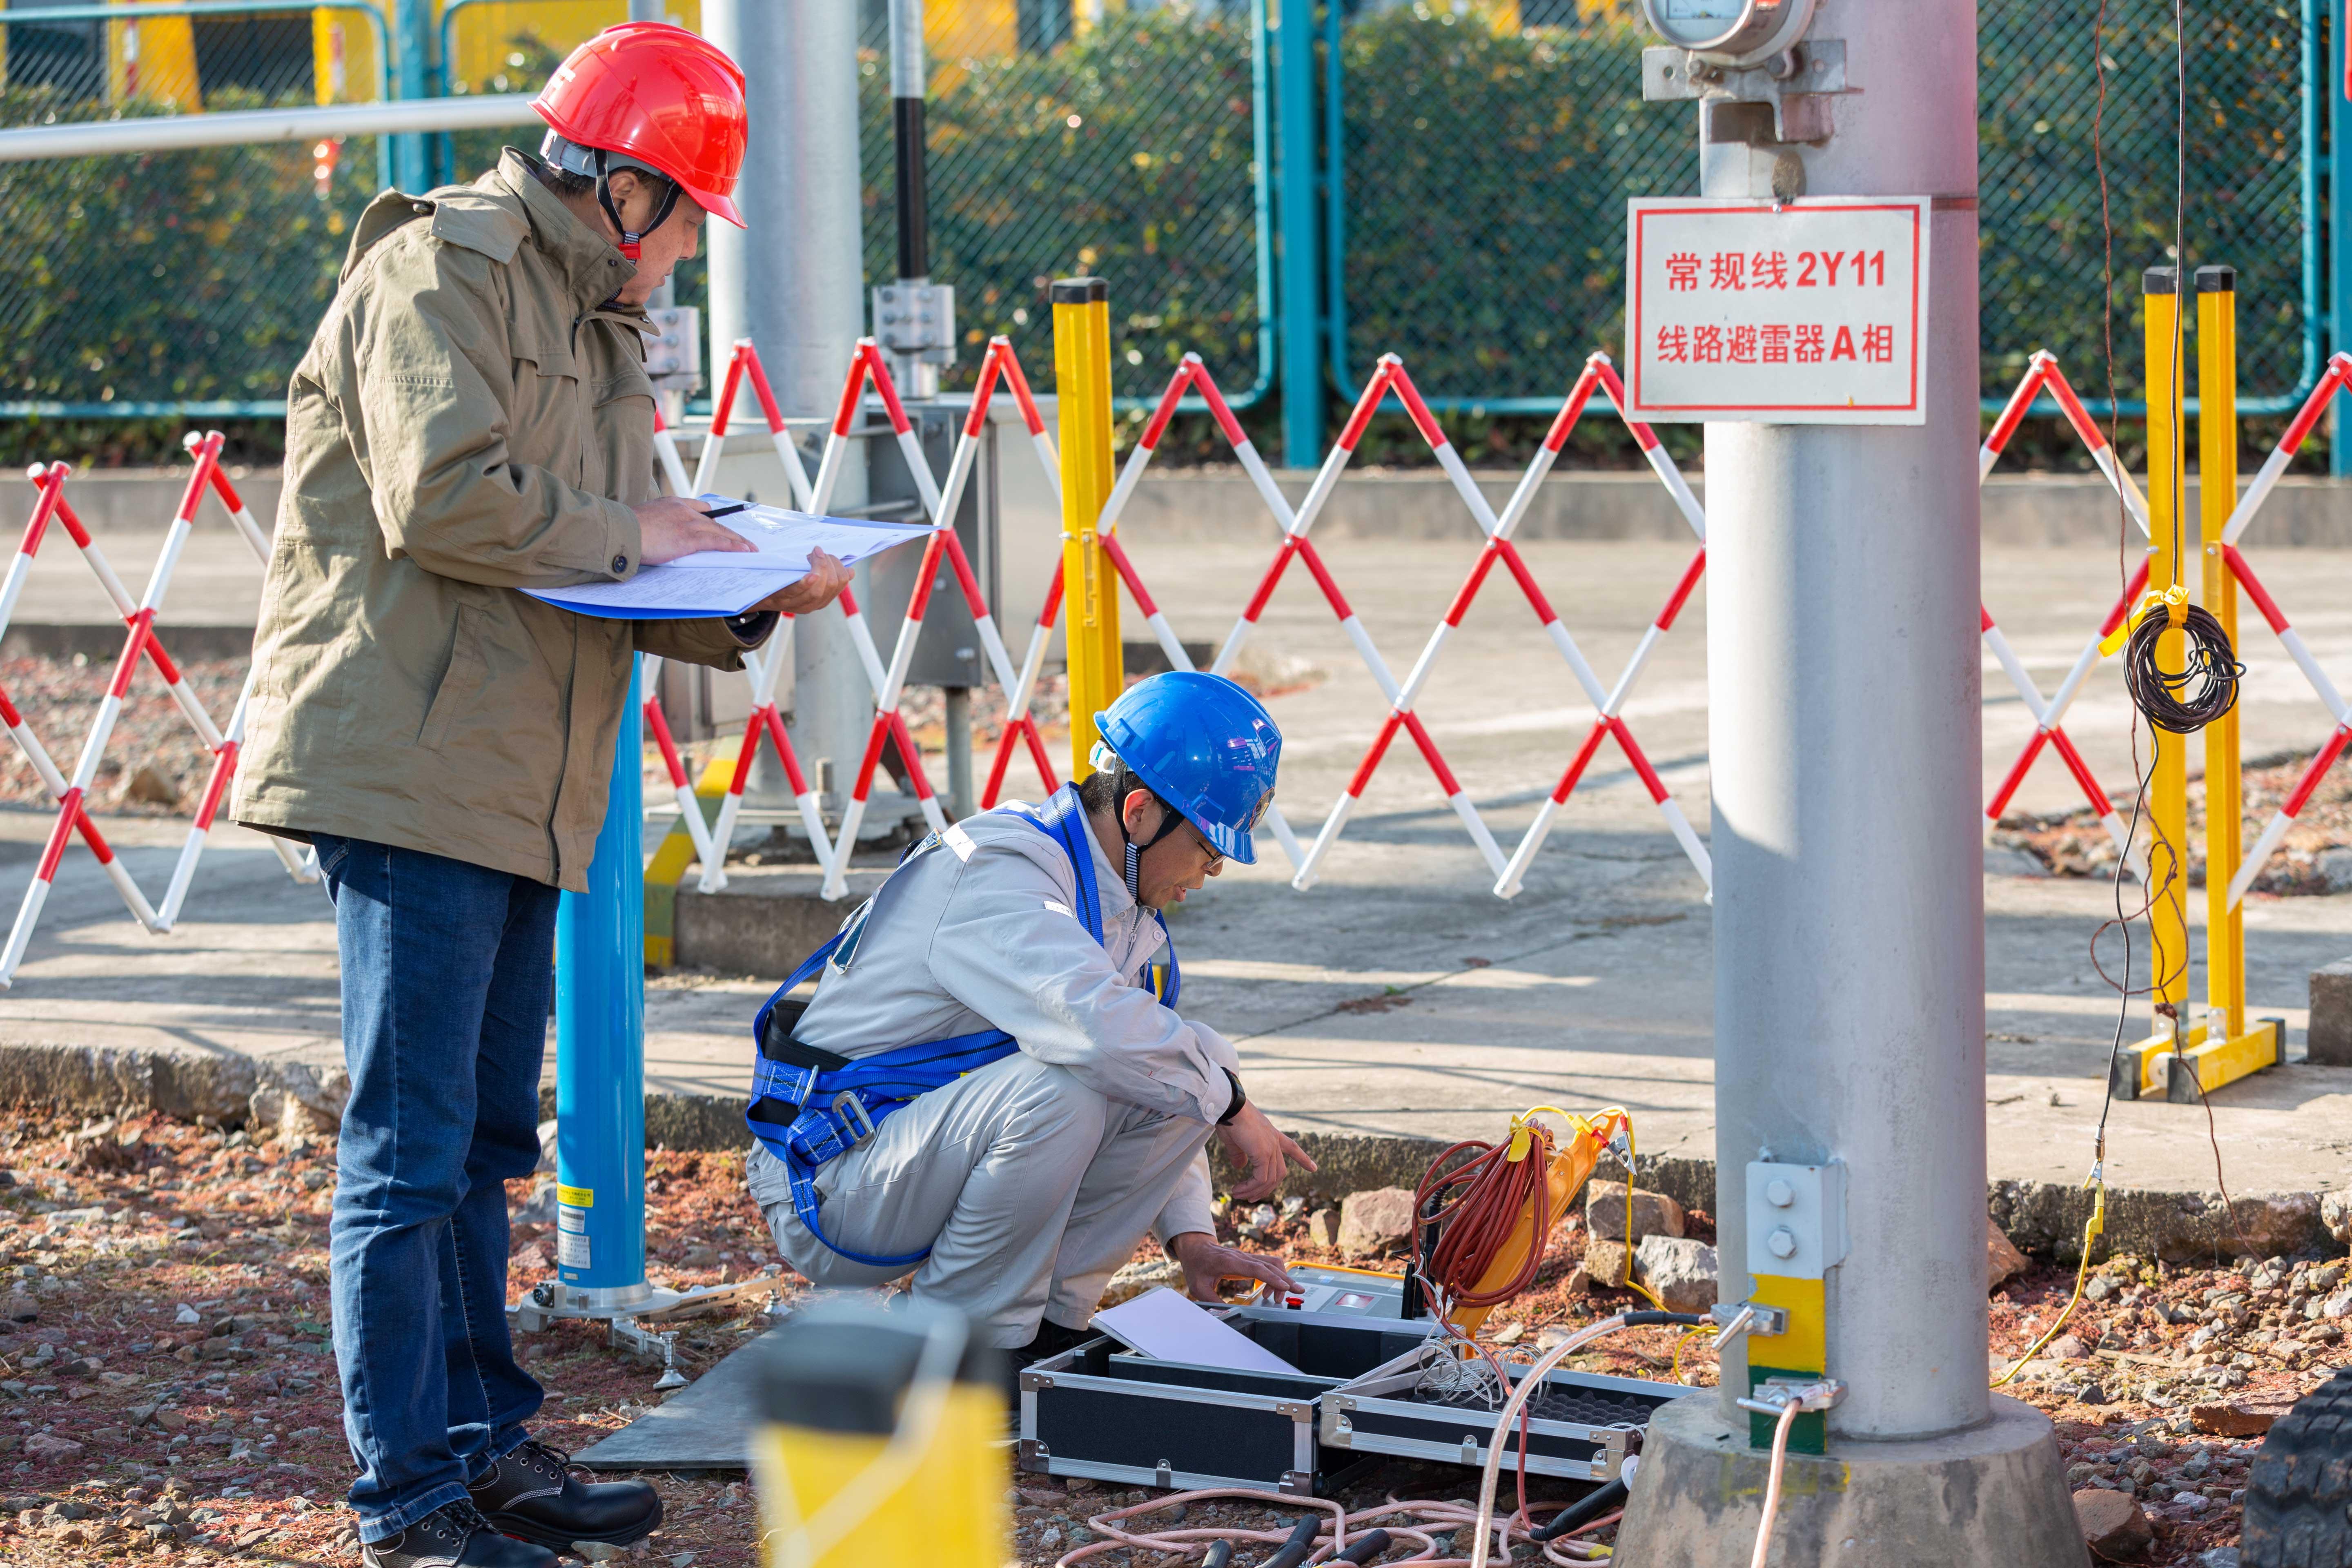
(1170, 817)
(630, 246)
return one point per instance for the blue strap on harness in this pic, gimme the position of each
(832, 1105)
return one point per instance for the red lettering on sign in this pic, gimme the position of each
(1743, 345)
(1843, 347)
(1682, 270)
(1809, 345)
(1727, 270)
(1769, 270)
(1878, 344)
(1774, 342)
(1673, 343)
(1706, 345)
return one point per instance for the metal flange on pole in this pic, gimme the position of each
(1089, 586)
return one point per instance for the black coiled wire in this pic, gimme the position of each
(2205, 687)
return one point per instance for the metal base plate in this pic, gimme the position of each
(707, 1427)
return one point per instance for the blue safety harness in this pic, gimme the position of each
(809, 1105)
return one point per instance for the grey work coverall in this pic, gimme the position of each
(1032, 1179)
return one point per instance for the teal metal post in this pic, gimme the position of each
(2336, 80)
(1294, 99)
(412, 56)
(600, 1053)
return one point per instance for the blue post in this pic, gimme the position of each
(412, 54)
(1294, 97)
(599, 1046)
(2334, 67)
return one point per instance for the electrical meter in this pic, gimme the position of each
(1730, 32)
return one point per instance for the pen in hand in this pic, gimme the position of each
(728, 510)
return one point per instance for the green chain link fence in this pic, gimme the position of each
(1475, 211)
(1479, 217)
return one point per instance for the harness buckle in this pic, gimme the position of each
(851, 1110)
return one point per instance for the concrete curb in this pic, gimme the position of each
(2045, 1219)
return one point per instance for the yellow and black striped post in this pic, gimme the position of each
(1089, 589)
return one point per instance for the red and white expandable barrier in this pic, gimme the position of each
(2042, 374)
(109, 709)
(2338, 377)
(303, 868)
(1191, 375)
(50, 498)
(941, 504)
(1600, 375)
(742, 363)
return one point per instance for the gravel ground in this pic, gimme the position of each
(166, 1391)
(2074, 844)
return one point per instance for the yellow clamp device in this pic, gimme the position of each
(2172, 601)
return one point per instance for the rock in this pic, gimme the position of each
(2219, 1557)
(2329, 1034)
(2238, 1417)
(1137, 1277)
(1655, 1214)
(2066, 1347)
(2003, 1261)
(2113, 1524)
(1680, 1272)
(187, 1314)
(150, 786)
(294, 1100)
(1605, 1263)
(1376, 1222)
(2335, 1214)
(597, 1551)
(1323, 1227)
(2338, 1305)
(1579, 1281)
(48, 1445)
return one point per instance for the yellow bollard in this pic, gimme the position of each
(881, 1442)
(2185, 1054)
(2217, 465)
(1089, 589)
(2168, 790)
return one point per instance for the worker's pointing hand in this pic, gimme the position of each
(1251, 1139)
(1206, 1264)
(672, 526)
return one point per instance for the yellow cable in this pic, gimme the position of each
(2092, 1229)
(1702, 1328)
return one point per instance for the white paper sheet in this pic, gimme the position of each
(728, 581)
(1168, 1326)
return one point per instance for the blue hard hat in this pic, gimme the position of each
(1202, 745)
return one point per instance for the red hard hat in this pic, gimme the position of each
(660, 95)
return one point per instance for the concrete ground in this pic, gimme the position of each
(1399, 995)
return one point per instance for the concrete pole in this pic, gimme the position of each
(794, 284)
(1849, 902)
(1848, 893)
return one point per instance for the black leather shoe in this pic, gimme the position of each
(456, 1536)
(533, 1494)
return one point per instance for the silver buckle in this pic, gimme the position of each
(851, 1109)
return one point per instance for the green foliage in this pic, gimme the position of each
(1486, 175)
(1152, 189)
(167, 277)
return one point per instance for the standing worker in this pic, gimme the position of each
(987, 1089)
(473, 418)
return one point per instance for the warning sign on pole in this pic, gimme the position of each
(1813, 312)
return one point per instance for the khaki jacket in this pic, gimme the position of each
(467, 423)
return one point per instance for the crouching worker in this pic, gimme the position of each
(989, 1089)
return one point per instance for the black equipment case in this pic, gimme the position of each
(1101, 1412)
(1581, 1429)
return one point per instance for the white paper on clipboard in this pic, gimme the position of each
(1167, 1326)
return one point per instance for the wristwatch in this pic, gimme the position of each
(1240, 1099)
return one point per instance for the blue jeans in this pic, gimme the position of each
(446, 970)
